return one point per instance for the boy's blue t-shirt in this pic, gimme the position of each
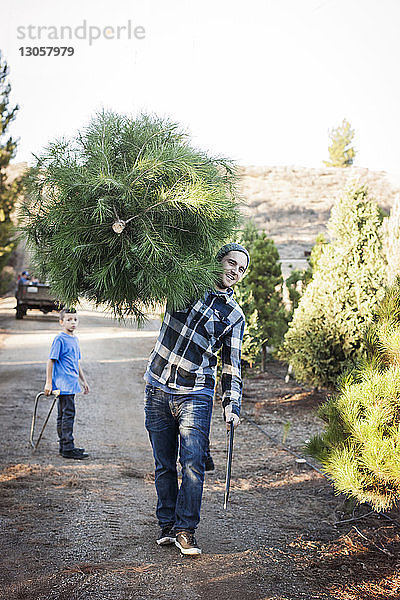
(66, 354)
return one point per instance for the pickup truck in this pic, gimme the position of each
(34, 296)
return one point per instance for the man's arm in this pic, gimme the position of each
(48, 388)
(82, 377)
(231, 380)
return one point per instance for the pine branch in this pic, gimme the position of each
(174, 203)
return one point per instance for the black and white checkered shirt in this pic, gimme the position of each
(185, 355)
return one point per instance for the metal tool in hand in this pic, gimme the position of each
(34, 445)
(230, 433)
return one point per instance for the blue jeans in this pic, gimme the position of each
(174, 421)
(65, 421)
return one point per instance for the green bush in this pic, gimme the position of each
(7, 280)
(391, 241)
(326, 332)
(360, 447)
(260, 296)
(298, 280)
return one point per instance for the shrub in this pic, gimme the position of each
(360, 447)
(260, 296)
(298, 280)
(325, 334)
(7, 280)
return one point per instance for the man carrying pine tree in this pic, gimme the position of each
(180, 378)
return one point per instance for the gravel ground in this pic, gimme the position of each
(87, 530)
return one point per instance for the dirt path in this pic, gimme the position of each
(87, 530)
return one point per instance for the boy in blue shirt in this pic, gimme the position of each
(63, 373)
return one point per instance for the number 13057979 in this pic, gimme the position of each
(46, 50)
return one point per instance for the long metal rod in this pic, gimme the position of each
(230, 433)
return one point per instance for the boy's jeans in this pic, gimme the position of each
(172, 419)
(65, 421)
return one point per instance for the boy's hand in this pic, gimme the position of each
(86, 389)
(48, 389)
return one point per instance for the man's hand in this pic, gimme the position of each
(48, 389)
(86, 389)
(231, 416)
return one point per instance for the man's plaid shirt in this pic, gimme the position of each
(185, 356)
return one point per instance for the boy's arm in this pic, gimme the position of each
(48, 388)
(86, 389)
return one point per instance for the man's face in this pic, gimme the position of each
(70, 322)
(234, 265)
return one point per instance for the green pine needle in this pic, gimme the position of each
(360, 447)
(179, 206)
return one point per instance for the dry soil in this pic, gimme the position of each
(87, 530)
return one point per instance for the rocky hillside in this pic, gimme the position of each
(292, 204)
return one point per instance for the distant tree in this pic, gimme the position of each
(341, 151)
(260, 295)
(8, 191)
(360, 447)
(326, 332)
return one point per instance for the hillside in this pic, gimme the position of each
(293, 204)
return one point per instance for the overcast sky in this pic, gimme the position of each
(260, 81)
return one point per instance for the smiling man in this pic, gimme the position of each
(180, 377)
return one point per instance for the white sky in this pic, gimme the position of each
(260, 81)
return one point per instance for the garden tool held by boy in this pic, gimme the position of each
(34, 445)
